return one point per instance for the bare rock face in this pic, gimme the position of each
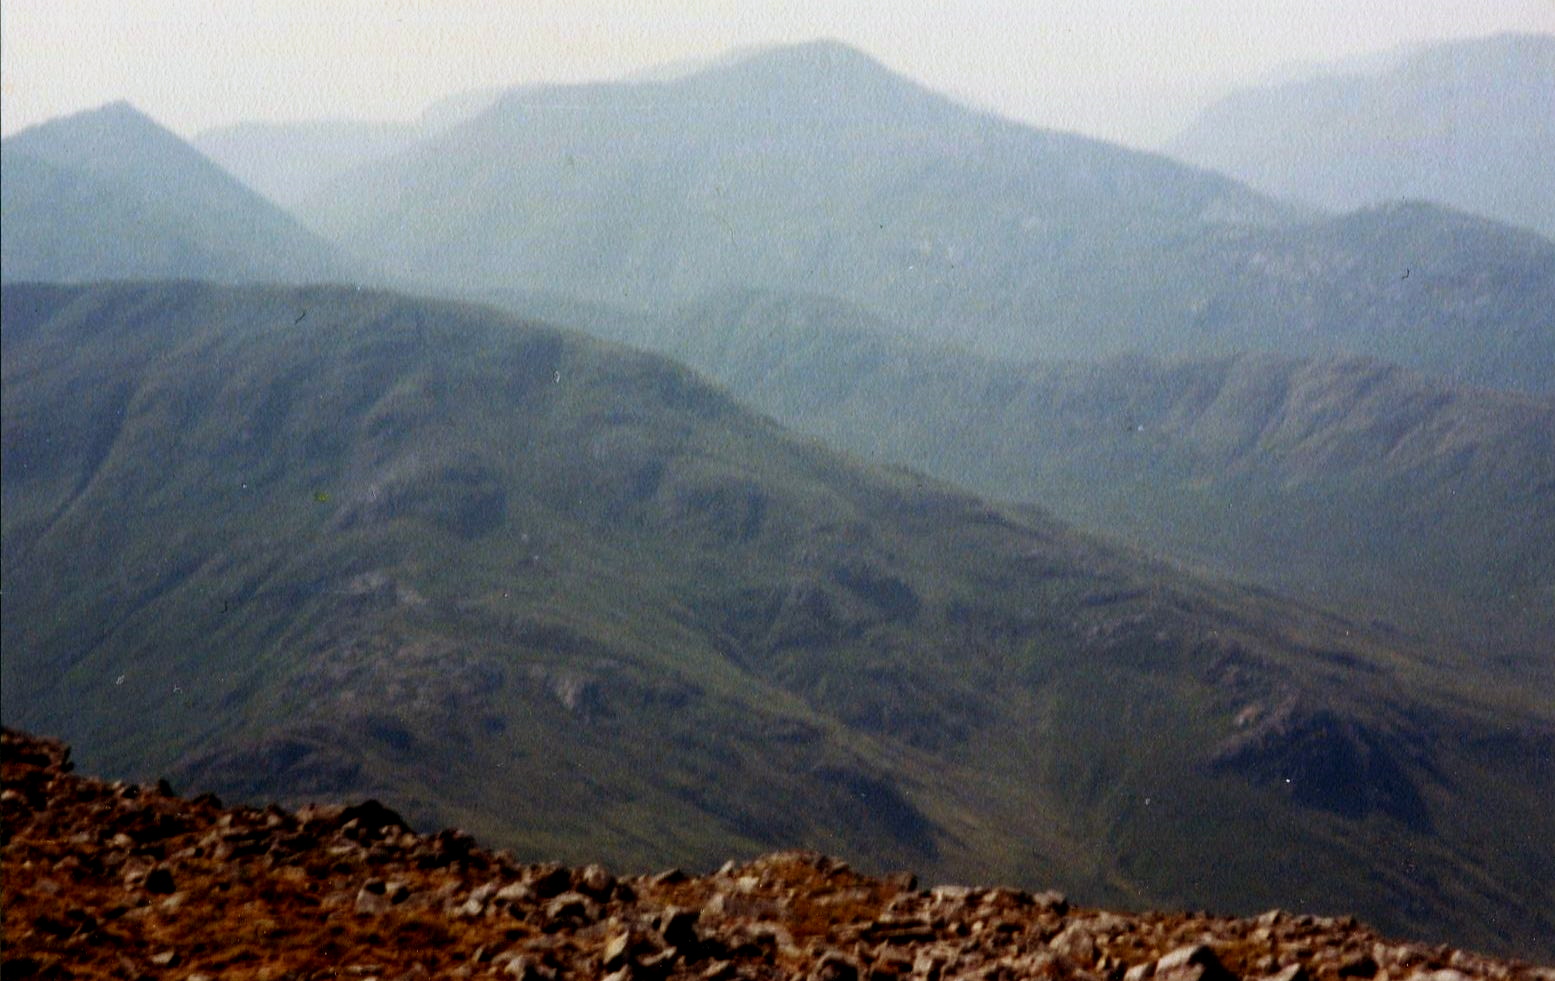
(113, 880)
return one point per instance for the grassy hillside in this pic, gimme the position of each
(1468, 123)
(1355, 484)
(109, 194)
(331, 542)
(812, 168)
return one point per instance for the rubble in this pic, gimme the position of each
(112, 880)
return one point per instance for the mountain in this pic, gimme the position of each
(287, 162)
(1351, 482)
(324, 541)
(305, 893)
(110, 194)
(812, 168)
(290, 162)
(1470, 124)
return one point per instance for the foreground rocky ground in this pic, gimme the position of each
(116, 880)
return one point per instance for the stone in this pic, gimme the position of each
(678, 927)
(1358, 966)
(1194, 962)
(160, 881)
(572, 906)
(835, 966)
(1076, 943)
(372, 899)
(615, 953)
(594, 881)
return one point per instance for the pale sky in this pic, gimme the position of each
(1128, 70)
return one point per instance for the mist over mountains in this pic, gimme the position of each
(279, 526)
(853, 182)
(1469, 124)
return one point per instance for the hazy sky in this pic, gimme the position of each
(1122, 69)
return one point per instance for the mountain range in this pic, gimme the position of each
(1468, 124)
(293, 542)
(290, 162)
(110, 194)
(814, 169)
(1351, 482)
(289, 541)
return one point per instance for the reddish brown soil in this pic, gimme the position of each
(115, 880)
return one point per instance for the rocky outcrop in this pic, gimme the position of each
(117, 880)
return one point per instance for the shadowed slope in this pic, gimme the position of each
(324, 541)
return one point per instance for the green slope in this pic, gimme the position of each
(812, 168)
(325, 542)
(1351, 483)
(108, 194)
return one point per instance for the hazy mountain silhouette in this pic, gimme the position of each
(110, 194)
(569, 596)
(289, 162)
(1468, 123)
(812, 168)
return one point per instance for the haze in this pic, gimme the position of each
(1127, 71)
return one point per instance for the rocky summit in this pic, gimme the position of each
(118, 880)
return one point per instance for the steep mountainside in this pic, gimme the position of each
(109, 194)
(1350, 482)
(100, 879)
(1468, 123)
(813, 168)
(326, 541)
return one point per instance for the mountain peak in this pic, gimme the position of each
(822, 58)
(112, 140)
(117, 117)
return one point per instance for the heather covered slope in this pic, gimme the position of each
(109, 194)
(1349, 482)
(107, 879)
(813, 168)
(1470, 124)
(324, 541)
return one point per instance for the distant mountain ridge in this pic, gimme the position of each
(1470, 124)
(290, 162)
(813, 168)
(1347, 481)
(291, 542)
(109, 194)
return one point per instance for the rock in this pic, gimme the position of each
(1358, 966)
(615, 953)
(1057, 902)
(835, 966)
(547, 881)
(373, 898)
(160, 881)
(526, 968)
(594, 881)
(1194, 962)
(101, 863)
(1076, 943)
(678, 927)
(572, 906)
